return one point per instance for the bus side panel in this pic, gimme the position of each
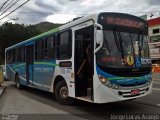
(20, 69)
(67, 74)
(43, 74)
(12, 69)
(10, 73)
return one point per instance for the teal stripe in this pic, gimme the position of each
(36, 63)
(119, 78)
(19, 65)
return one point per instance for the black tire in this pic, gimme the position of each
(61, 94)
(18, 84)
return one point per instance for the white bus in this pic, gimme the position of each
(100, 58)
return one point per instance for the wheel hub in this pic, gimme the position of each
(17, 83)
(64, 92)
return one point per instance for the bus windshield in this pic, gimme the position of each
(124, 50)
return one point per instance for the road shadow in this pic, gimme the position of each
(85, 109)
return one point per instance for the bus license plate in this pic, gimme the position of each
(134, 92)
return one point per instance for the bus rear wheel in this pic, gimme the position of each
(61, 94)
(18, 84)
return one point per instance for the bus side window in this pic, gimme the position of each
(49, 47)
(13, 55)
(39, 50)
(16, 54)
(23, 54)
(64, 45)
(19, 55)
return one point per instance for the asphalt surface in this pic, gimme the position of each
(33, 104)
(154, 98)
(2, 88)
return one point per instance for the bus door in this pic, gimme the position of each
(83, 62)
(29, 64)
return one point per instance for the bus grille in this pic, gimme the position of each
(129, 94)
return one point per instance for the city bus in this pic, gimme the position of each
(99, 58)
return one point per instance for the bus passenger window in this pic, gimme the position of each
(16, 55)
(39, 50)
(13, 55)
(49, 48)
(64, 50)
(23, 54)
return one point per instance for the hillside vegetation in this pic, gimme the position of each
(11, 34)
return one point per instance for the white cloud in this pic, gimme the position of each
(51, 10)
(60, 18)
(92, 3)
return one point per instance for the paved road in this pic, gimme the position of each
(154, 98)
(31, 104)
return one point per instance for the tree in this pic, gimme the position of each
(11, 34)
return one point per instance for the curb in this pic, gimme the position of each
(156, 79)
(3, 89)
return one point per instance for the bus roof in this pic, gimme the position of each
(63, 27)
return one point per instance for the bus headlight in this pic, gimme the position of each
(114, 86)
(149, 82)
(107, 83)
(102, 79)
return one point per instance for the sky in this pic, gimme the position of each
(62, 11)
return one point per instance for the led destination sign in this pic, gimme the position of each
(123, 20)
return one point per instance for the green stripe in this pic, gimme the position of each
(46, 33)
(45, 63)
(35, 38)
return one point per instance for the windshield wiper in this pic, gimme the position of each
(140, 43)
(133, 47)
(121, 44)
(117, 42)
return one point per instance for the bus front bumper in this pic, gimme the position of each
(105, 95)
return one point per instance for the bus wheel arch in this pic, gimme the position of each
(15, 76)
(61, 91)
(57, 79)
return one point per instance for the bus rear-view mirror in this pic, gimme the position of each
(99, 36)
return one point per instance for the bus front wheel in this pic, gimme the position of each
(61, 94)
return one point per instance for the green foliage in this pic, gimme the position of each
(46, 26)
(11, 34)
